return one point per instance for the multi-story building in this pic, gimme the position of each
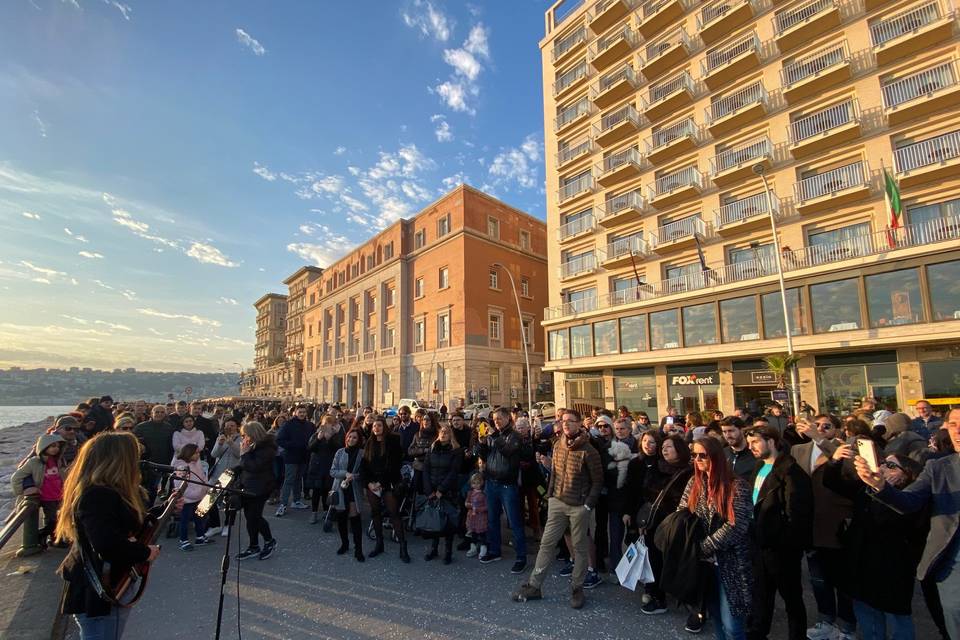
(292, 384)
(425, 309)
(660, 117)
(268, 360)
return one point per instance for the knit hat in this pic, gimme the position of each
(896, 424)
(603, 420)
(106, 399)
(67, 421)
(45, 441)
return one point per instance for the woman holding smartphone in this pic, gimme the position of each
(258, 451)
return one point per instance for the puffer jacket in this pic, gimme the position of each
(30, 472)
(256, 468)
(420, 447)
(441, 467)
(577, 476)
(322, 451)
(501, 453)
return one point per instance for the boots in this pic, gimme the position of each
(404, 556)
(357, 529)
(342, 530)
(434, 550)
(378, 529)
(448, 550)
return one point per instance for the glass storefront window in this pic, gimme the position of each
(693, 389)
(944, 282)
(840, 388)
(559, 344)
(637, 390)
(772, 305)
(665, 329)
(894, 298)
(941, 379)
(699, 325)
(835, 305)
(633, 334)
(738, 319)
(605, 338)
(581, 342)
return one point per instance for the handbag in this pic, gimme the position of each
(328, 519)
(432, 515)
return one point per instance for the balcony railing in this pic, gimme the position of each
(610, 79)
(656, 49)
(662, 90)
(823, 184)
(903, 23)
(623, 114)
(736, 101)
(812, 64)
(927, 152)
(574, 111)
(688, 176)
(680, 230)
(604, 4)
(569, 153)
(740, 154)
(713, 11)
(824, 120)
(569, 77)
(616, 160)
(579, 264)
(788, 19)
(745, 208)
(623, 33)
(615, 204)
(569, 42)
(569, 308)
(919, 84)
(721, 56)
(667, 135)
(652, 6)
(576, 186)
(580, 225)
(634, 245)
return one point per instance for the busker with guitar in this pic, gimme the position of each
(102, 516)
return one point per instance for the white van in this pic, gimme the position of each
(413, 405)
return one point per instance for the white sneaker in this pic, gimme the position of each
(212, 531)
(483, 550)
(224, 532)
(474, 550)
(300, 505)
(823, 631)
(281, 509)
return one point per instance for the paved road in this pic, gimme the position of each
(306, 591)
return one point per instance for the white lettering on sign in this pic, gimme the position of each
(692, 379)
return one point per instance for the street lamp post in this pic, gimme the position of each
(760, 170)
(523, 338)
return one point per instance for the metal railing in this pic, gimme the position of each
(814, 63)
(620, 158)
(634, 245)
(904, 22)
(651, 7)
(680, 230)
(656, 49)
(570, 308)
(569, 77)
(686, 177)
(920, 84)
(927, 152)
(721, 56)
(824, 120)
(638, 293)
(578, 264)
(667, 135)
(569, 114)
(716, 10)
(579, 225)
(622, 202)
(829, 182)
(662, 90)
(746, 152)
(568, 153)
(623, 33)
(576, 185)
(623, 114)
(603, 5)
(745, 208)
(735, 101)
(610, 79)
(788, 19)
(569, 42)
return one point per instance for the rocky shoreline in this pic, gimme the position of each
(15, 444)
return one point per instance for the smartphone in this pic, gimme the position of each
(867, 449)
(669, 420)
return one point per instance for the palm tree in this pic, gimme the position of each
(780, 366)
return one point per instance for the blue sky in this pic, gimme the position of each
(163, 164)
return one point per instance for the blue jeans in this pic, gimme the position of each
(833, 606)
(874, 623)
(507, 497)
(108, 627)
(187, 515)
(726, 626)
(292, 482)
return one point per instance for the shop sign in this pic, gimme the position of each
(693, 379)
(763, 377)
(780, 395)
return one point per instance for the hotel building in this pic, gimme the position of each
(658, 116)
(425, 310)
(268, 361)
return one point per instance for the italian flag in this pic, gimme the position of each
(891, 195)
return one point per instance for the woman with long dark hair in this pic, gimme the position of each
(258, 450)
(420, 447)
(348, 484)
(102, 510)
(441, 466)
(322, 445)
(380, 468)
(723, 504)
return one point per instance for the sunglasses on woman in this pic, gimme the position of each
(893, 465)
(699, 456)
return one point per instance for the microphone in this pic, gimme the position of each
(157, 467)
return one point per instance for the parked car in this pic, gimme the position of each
(544, 409)
(477, 410)
(415, 404)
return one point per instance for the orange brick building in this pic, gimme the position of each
(425, 309)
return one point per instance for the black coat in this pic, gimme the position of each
(384, 468)
(783, 513)
(321, 451)
(678, 539)
(667, 499)
(293, 438)
(644, 482)
(501, 452)
(441, 466)
(106, 524)
(256, 468)
(209, 429)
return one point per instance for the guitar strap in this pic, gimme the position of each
(90, 571)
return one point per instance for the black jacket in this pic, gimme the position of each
(667, 499)
(501, 452)
(102, 418)
(783, 513)
(385, 468)
(256, 468)
(743, 462)
(209, 429)
(321, 451)
(106, 523)
(441, 467)
(644, 482)
(678, 538)
(293, 438)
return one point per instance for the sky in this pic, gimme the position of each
(164, 164)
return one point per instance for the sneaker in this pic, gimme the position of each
(202, 540)
(300, 505)
(694, 623)
(653, 607)
(281, 509)
(489, 557)
(185, 545)
(225, 532)
(474, 551)
(268, 549)
(250, 552)
(212, 531)
(525, 593)
(822, 631)
(592, 579)
(567, 570)
(576, 598)
(519, 566)
(645, 598)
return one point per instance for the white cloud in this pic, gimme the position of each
(139, 228)
(339, 151)
(430, 21)
(477, 41)
(263, 172)
(518, 164)
(128, 294)
(414, 191)
(41, 280)
(42, 271)
(155, 332)
(322, 255)
(75, 319)
(197, 320)
(93, 255)
(442, 132)
(229, 301)
(75, 236)
(352, 203)
(454, 94)
(111, 325)
(467, 66)
(453, 181)
(250, 42)
(209, 254)
(41, 125)
(102, 285)
(119, 6)
(463, 62)
(31, 215)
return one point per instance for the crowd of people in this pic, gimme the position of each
(727, 508)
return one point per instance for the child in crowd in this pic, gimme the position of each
(476, 504)
(188, 466)
(40, 478)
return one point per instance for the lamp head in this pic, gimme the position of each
(759, 169)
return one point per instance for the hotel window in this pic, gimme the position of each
(388, 338)
(633, 334)
(665, 329)
(605, 338)
(494, 279)
(894, 298)
(494, 326)
(931, 213)
(772, 307)
(443, 330)
(581, 341)
(493, 227)
(310, 360)
(738, 319)
(524, 240)
(559, 344)
(419, 334)
(699, 325)
(944, 282)
(835, 305)
(443, 226)
(419, 238)
(525, 287)
(388, 251)
(390, 295)
(494, 379)
(418, 288)
(527, 327)
(444, 279)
